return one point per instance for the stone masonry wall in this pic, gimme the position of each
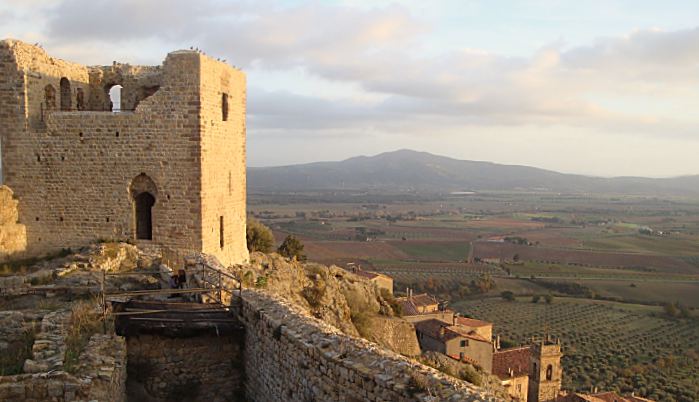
(200, 368)
(292, 357)
(13, 236)
(223, 161)
(72, 170)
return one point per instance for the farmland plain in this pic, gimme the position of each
(611, 262)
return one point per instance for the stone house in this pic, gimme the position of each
(167, 170)
(512, 367)
(382, 281)
(455, 341)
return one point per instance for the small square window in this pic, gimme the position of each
(464, 343)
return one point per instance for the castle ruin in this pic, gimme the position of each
(164, 167)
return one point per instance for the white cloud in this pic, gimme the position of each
(643, 83)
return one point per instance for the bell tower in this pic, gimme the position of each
(545, 372)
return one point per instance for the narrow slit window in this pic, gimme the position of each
(224, 107)
(220, 231)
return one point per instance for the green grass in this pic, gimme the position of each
(435, 251)
(672, 246)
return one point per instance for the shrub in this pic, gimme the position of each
(258, 236)
(507, 295)
(261, 282)
(418, 383)
(292, 248)
(548, 298)
(536, 298)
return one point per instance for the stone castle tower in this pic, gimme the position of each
(547, 373)
(167, 170)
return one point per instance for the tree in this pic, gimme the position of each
(536, 298)
(548, 298)
(515, 258)
(259, 237)
(292, 247)
(507, 295)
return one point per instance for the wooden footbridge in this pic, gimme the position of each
(206, 304)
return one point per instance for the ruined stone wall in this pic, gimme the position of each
(101, 376)
(201, 368)
(292, 357)
(72, 170)
(13, 236)
(223, 161)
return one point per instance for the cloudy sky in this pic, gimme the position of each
(602, 87)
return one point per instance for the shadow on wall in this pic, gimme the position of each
(13, 236)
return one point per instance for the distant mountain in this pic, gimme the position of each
(407, 170)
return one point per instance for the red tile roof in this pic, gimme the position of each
(433, 328)
(473, 323)
(609, 397)
(366, 274)
(410, 304)
(515, 359)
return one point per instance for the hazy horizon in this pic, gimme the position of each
(605, 88)
(473, 160)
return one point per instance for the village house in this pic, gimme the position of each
(422, 307)
(458, 342)
(512, 366)
(382, 281)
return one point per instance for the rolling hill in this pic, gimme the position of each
(407, 170)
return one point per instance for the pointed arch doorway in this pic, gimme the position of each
(143, 192)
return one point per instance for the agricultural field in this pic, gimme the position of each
(614, 346)
(611, 262)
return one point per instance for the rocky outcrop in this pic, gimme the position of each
(342, 299)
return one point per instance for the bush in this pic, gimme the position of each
(536, 298)
(507, 295)
(258, 236)
(292, 248)
(548, 298)
(418, 383)
(261, 282)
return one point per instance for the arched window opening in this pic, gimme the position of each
(65, 94)
(115, 98)
(80, 99)
(144, 216)
(49, 97)
(220, 232)
(224, 107)
(549, 372)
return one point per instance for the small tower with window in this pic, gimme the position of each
(545, 371)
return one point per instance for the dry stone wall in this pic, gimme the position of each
(48, 351)
(101, 377)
